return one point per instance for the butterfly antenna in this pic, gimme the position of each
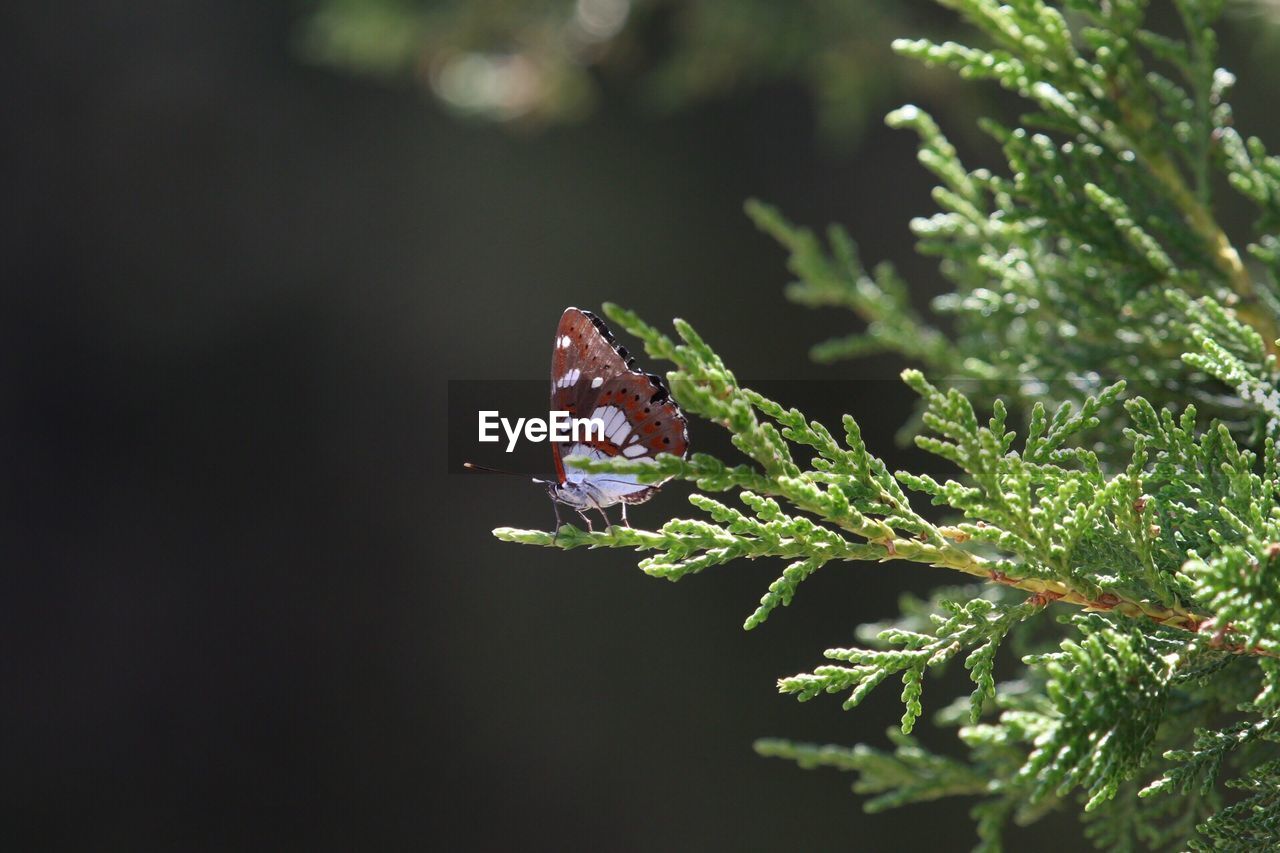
(487, 470)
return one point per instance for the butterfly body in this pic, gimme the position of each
(592, 376)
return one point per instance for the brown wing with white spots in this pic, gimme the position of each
(592, 376)
(640, 421)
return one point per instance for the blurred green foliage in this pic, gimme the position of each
(533, 62)
(530, 63)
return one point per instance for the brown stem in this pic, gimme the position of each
(1046, 591)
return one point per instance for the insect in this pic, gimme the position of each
(593, 376)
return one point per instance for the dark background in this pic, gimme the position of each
(246, 604)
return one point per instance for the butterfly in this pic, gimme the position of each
(593, 376)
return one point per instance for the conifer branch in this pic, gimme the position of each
(1152, 505)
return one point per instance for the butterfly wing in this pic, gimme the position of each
(582, 354)
(592, 376)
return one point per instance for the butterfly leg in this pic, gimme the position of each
(587, 519)
(625, 523)
(605, 516)
(555, 507)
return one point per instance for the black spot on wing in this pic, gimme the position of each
(660, 393)
(605, 333)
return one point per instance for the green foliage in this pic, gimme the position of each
(1250, 824)
(1159, 823)
(1042, 515)
(1200, 766)
(978, 625)
(1062, 267)
(1150, 504)
(1107, 695)
(909, 774)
